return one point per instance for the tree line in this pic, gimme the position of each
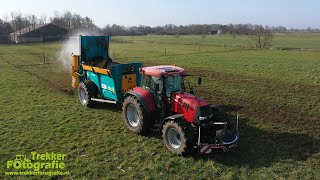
(75, 22)
(193, 29)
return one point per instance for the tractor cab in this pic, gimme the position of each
(159, 78)
(162, 82)
(156, 84)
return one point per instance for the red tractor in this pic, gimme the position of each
(186, 122)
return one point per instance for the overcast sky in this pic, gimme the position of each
(289, 13)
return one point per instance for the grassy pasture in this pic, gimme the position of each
(276, 92)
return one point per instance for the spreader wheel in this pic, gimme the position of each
(86, 91)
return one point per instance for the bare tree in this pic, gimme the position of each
(67, 17)
(13, 24)
(261, 37)
(43, 19)
(13, 17)
(6, 18)
(33, 20)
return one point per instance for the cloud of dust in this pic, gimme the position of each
(72, 45)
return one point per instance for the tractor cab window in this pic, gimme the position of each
(174, 84)
(152, 83)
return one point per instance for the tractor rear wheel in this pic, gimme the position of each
(177, 137)
(86, 91)
(135, 115)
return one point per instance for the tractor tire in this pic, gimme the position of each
(135, 115)
(86, 91)
(177, 137)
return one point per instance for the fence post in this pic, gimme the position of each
(225, 47)
(44, 58)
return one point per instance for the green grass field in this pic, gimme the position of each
(276, 92)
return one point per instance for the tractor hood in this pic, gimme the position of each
(189, 99)
(190, 106)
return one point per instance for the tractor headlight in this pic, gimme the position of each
(201, 118)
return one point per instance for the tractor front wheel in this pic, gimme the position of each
(86, 91)
(135, 116)
(176, 137)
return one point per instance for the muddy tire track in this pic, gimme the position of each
(50, 84)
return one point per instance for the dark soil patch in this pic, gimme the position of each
(291, 49)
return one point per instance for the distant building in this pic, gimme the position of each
(214, 32)
(38, 33)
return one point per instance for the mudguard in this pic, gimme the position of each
(173, 117)
(144, 96)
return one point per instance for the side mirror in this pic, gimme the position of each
(199, 80)
(192, 91)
